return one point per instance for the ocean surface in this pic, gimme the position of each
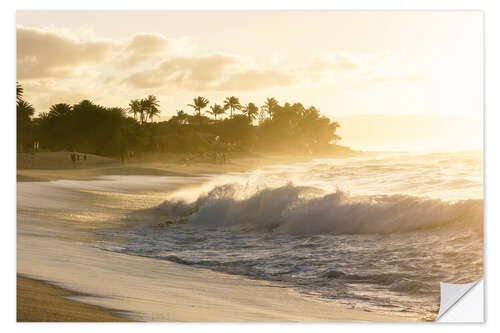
(376, 233)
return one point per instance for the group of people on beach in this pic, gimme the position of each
(76, 157)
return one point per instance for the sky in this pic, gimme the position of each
(393, 80)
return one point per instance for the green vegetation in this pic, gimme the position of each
(25, 112)
(112, 131)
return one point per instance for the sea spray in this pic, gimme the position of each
(376, 233)
(300, 210)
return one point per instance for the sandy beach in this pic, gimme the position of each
(39, 301)
(47, 166)
(55, 244)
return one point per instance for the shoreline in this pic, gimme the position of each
(57, 253)
(154, 290)
(54, 166)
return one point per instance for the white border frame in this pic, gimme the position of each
(492, 158)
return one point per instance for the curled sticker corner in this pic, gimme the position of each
(451, 294)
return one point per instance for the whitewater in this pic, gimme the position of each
(377, 233)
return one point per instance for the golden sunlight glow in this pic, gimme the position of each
(422, 72)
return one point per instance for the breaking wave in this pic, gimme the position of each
(406, 224)
(304, 210)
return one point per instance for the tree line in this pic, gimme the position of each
(228, 126)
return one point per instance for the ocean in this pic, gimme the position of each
(377, 233)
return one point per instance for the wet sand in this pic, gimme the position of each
(38, 301)
(146, 289)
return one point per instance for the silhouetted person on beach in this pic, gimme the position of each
(73, 159)
(84, 157)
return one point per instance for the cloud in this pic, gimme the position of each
(56, 53)
(151, 60)
(211, 72)
(55, 64)
(187, 72)
(44, 53)
(142, 46)
(224, 71)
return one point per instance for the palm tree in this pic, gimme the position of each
(150, 106)
(135, 108)
(216, 110)
(60, 109)
(251, 111)
(199, 103)
(232, 103)
(117, 110)
(181, 116)
(24, 110)
(270, 106)
(19, 91)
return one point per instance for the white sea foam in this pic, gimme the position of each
(378, 233)
(300, 210)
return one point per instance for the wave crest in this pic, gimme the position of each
(301, 210)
